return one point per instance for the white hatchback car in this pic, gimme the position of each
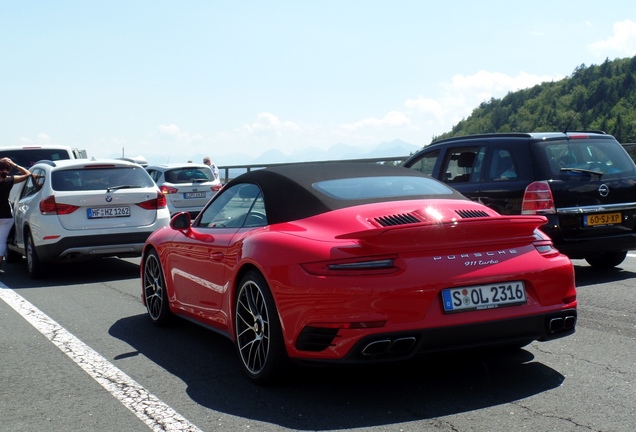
(80, 209)
(188, 187)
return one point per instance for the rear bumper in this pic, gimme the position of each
(81, 247)
(192, 210)
(585, 246)
(383, 347)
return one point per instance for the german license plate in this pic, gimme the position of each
(481, 297)
(194, 195)
(107, 212)
(602, 219)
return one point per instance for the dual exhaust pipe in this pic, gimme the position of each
(389, 346)
(403, 345)
(558, 324)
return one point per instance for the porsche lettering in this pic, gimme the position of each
(476, 255)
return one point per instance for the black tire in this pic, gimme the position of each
(36, 268)
(154, 286)
(258, 333)
(606, 260)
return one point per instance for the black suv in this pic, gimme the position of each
(583, 182)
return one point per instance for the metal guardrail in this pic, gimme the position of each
(231, 171)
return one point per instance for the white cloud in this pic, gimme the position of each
(622, 41)
(420, 119)
(40, 138)
(459, 96)
(169, 130)
(174, 131)
(391, 119)
(268, 124)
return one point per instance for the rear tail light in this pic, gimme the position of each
(216, 187)
(48, 206)
(155, 203)
(351, 268)
(543, 244)
(537, 199)
(168, 190)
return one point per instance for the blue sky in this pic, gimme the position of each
(173, 81)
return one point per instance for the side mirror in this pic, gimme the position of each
(181, 221)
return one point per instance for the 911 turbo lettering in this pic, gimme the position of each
(480, 263)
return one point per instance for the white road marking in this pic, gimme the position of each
(631, 255)
(152, 411)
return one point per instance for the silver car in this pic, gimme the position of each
(80, 209)
(188, 187)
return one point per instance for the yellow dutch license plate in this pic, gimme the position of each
(602, 219)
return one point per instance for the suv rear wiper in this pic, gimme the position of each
(110, 188)
(582, 171)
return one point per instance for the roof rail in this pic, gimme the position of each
(487, 135)
(588, 131)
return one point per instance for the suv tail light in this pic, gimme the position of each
(537, 199)
(216, 187)
(155, 203)
(48, 206)
(168, 190)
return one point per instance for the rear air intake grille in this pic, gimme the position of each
(315, 339)
(471, 213)
(399, 219)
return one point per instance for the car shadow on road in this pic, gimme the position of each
(77, 273)
(587, 275)
(329, 398)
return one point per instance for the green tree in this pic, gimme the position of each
(592, 97)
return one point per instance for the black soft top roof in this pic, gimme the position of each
(289, 195)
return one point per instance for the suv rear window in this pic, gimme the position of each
(572, 158)
(100, 179)
(28, 157)
(188, 175)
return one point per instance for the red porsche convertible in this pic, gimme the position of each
(356, 263)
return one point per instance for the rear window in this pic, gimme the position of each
(100, 179)
(188, 175)
(580, 157)
(28, 157)
(364, 188)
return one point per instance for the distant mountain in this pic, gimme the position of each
(269, 157)
(340, 151)
(393, 149)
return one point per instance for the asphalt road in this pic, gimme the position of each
(77, 353)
